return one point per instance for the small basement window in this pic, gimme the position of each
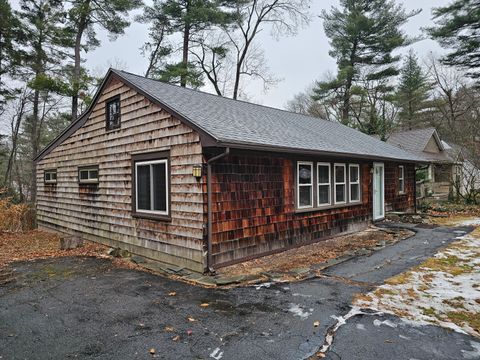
(88, 175)
(323, 178)
(50, 176)
(113, 113)
(401, 179)
(354, 173)
(340, 184)
(304, 184)
(151, 187)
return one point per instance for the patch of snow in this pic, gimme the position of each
(263, 285)
(377, 322)
(217, 354)
(301, 295)
(342, 320)
(360, 327)
(430, 294)
(473, 354)
(472, 222)
(404, 337)
(297, 310)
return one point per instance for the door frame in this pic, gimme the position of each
(381, 165)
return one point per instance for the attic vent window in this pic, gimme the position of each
(113, 113)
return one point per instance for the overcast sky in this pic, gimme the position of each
(298, 60)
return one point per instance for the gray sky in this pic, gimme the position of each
(297, 60)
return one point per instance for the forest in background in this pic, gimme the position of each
(45, 82)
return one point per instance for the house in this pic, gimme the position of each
(426, 144)
(467, 173)
(200, 181)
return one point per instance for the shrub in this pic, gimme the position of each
(15, 217)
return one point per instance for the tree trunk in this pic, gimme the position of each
(82, 24)
(186, 42)
(34, 140)
(76, 69)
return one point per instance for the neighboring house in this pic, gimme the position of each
(200, 181)
(467, 175)
(426, 144)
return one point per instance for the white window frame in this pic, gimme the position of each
(50, 181)
(401, 179)
(350, 183)
(152, 162)
(324, 184)
(299, 163)
(344, 183)
(89, 180)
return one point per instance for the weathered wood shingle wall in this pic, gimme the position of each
(104, 213)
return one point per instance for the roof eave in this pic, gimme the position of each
(282, 149)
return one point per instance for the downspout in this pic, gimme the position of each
(209, 207)
(415, 190)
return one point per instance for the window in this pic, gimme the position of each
(340, 184)
(401, 179)
(323, 179)
(354, 173)
(88, 175)
(50, 176)
(113, 113)
(151, 187)
(305, 184)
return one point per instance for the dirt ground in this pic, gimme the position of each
(308, 255)
(37, 244)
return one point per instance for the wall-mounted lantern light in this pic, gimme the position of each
(197, 171)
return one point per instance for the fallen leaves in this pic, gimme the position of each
(316, 323)
(38, 244)
(176, 338)
(204, 305)
(172, 293)
(191, 319)
(152, 351)
(169, 329)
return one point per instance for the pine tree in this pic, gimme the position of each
(187, 18)
(85, 16)
(363, 36)
(458, 26)
(412, 92)
(43, 23)
(11, 37)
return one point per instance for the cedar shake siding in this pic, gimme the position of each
(103, 211)
(394, 201)
(254, 210)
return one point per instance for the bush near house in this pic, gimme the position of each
(15, 217)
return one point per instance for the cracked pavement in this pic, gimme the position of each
(86, 308)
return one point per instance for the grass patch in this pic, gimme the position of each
(450, 264)
(462, 318)
(429, 312)
(399, 279)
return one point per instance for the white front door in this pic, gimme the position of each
(378, 191)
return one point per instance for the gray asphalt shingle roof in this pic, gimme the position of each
(415, 141)
(238, 122)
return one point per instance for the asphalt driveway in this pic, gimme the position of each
(86, 308)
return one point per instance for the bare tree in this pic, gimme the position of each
(235, 49)
(15, 126)
(303, 103)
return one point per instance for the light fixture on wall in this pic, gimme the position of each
(197, 171)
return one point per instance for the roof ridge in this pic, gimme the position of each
(218, 96)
